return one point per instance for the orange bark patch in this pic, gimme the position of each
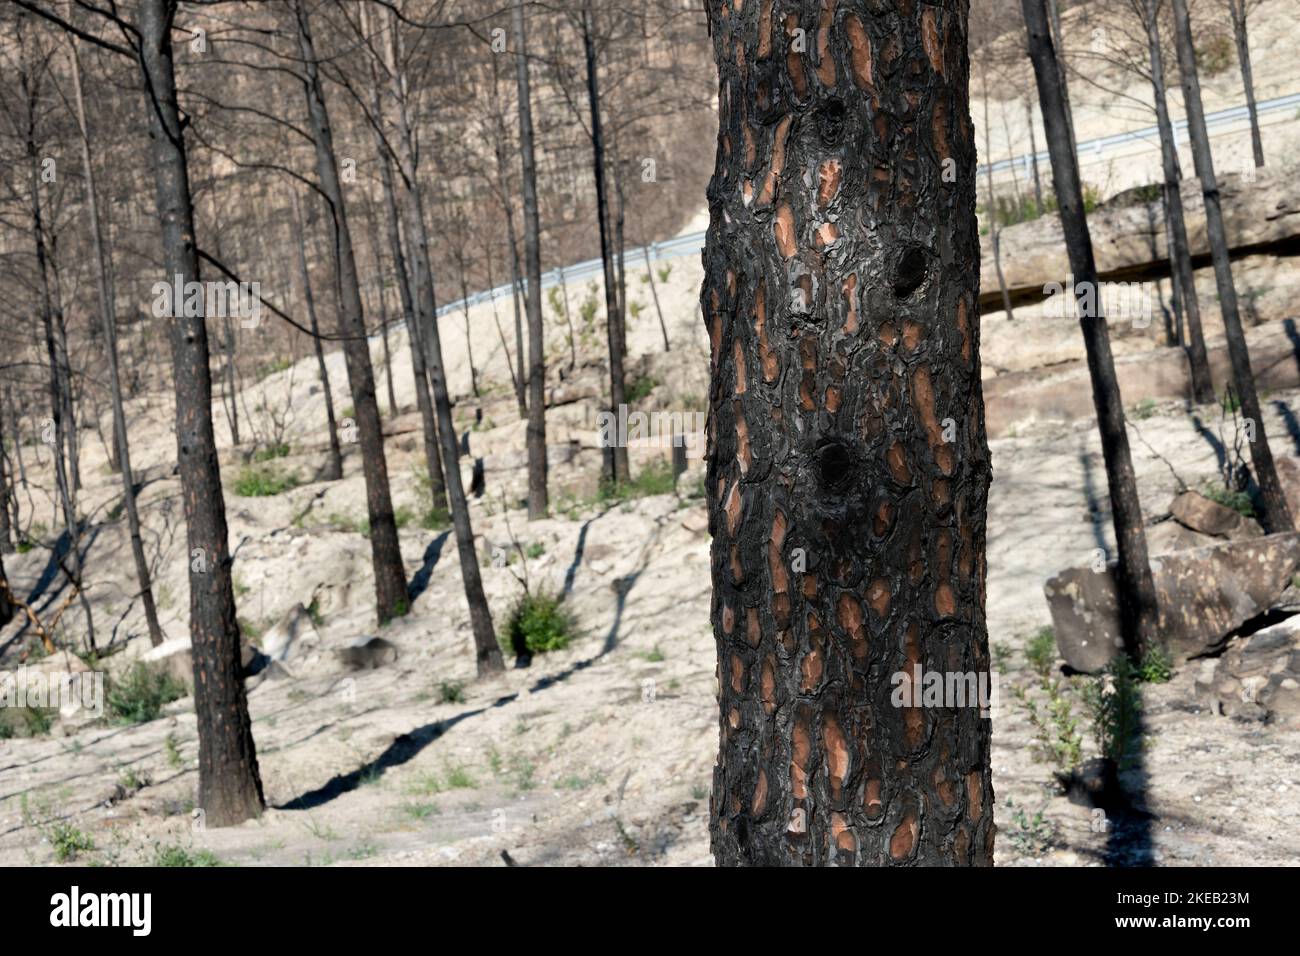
(733, 508)
(931, 40)
(888, 335)
(728, 619)
(939, 130)
(738, 355)
(963, 326)
(801, 755)
(774, 171)
(850, 290)
(944, 601)
(923, 398)
(794, 59)
(825, 65)
(743, 456)
(827, 233)
(849, 614)
(896, 458)
(767, 684)
(913, 332)
(765, 30)
(759, 801)
(974, 796)
(837, 754)
(884, 518)
(753, 630)
(871, 801)
(859, 52)
(811, 667)
(828, 181)
(832, 399)
(904, 838)
(878, 597)
(842, 834)
(737, 674)
(783, 230)
(766, 355)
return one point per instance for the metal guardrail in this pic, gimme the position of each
(693, 243)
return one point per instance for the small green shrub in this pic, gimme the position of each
(271, 452)
(639, 388)
(1056, 728)
(1040, 651)
(1215, 54)
(263, 481)
(1238, 501)
(1157, 666)
(451, 692)
(1144, 409)
(1114, 704)
(179, 856)
(138, 696)
(539, 623)
(25, 721)
(68, 842)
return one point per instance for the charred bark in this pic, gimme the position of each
(1275, 515)
(848, 469)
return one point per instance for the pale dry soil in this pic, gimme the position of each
(602, 753)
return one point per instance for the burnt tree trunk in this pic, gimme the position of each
(487, 652)
(537, 496)
(1238, 11)
(616, 460)
(386, 554)
(230, 788)
(848, 470)
(1139, 614)
(1180, 256)
(334, 470)
(108, 309)
(1275, 515)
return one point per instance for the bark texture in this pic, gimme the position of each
(848, 470)
(230, 789)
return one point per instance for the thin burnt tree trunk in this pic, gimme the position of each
(231, 379)
(995, 231)
(1033, 155)
(334, 469)
(230, 788)
(848, 469)
(1179, 249)
(1242, 38)
(537, 494)
(6, 528)
(1139, 613)
(654, 294)
(487, 652)
(616, 460)
(108, 309)
(386, 554)
(1275, 515)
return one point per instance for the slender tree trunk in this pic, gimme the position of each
(1274, 513)
(6, 606)
(232, 379)
(841, 296)
(415, 338)
(230, 788)
(71, 446)
(568, 320)
(334, 470)
(616, 460)
(372, 233)
(1238, 11)
(486, 650)
(6, 530)
(517, 293)
(1139, 612)
(108, 309)
(1180, 255)
(995, 231)
(1033, 156)
(505, 346)
(65, 488)
(538, 504)
(654, 294)
(390, 575)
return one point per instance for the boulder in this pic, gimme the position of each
(294, 635)
(1258, 677)
(1204, 595)
(1193, 510)
(367, 653)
